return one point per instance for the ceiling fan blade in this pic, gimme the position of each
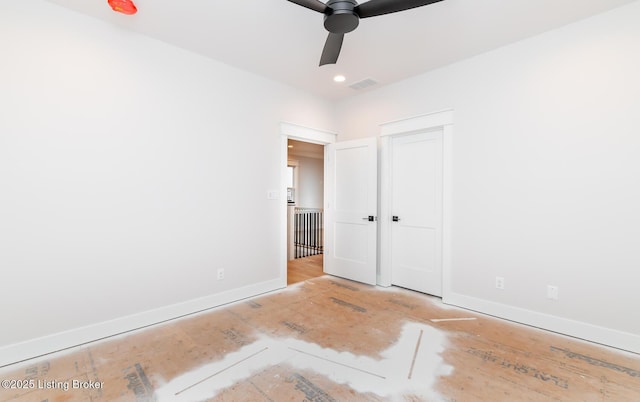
(315, 5)
(331, 49)
(373, 8)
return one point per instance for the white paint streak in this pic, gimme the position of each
(386, 377)
(452, 319)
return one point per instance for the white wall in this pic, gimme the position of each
(120, 177)
(546, 174)
(309, 193)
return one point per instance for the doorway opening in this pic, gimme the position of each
(303, 172)
(305, 201)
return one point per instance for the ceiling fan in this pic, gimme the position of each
(343, 16)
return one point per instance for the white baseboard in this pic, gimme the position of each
(64, 340)
(589, 332)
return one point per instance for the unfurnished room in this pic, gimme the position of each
(305, 200)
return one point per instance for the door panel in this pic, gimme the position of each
(351, 197)
(350, 241)
(350, 178)
(416, 199)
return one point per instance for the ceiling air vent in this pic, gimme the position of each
(367, 82)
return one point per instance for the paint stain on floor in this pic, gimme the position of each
(411, 366)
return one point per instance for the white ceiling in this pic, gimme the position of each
(283, 41)
(305, 149)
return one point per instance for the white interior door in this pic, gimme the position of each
(350, 210)
(416, 207)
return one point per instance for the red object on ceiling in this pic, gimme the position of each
(123, 6)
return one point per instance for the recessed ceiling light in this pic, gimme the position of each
(339, 78)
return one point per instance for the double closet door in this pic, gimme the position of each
(415, 198)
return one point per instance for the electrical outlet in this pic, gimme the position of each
(220, 274)
(499, 282)
(552, 292)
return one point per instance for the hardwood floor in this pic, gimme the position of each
(329, 339)
(301, 269)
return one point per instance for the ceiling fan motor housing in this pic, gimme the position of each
(342, 17)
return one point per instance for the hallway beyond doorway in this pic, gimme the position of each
(302, 269)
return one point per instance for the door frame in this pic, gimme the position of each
(414, 125)
(300, 133)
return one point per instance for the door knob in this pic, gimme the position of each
(395, 218)
(369, 218)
